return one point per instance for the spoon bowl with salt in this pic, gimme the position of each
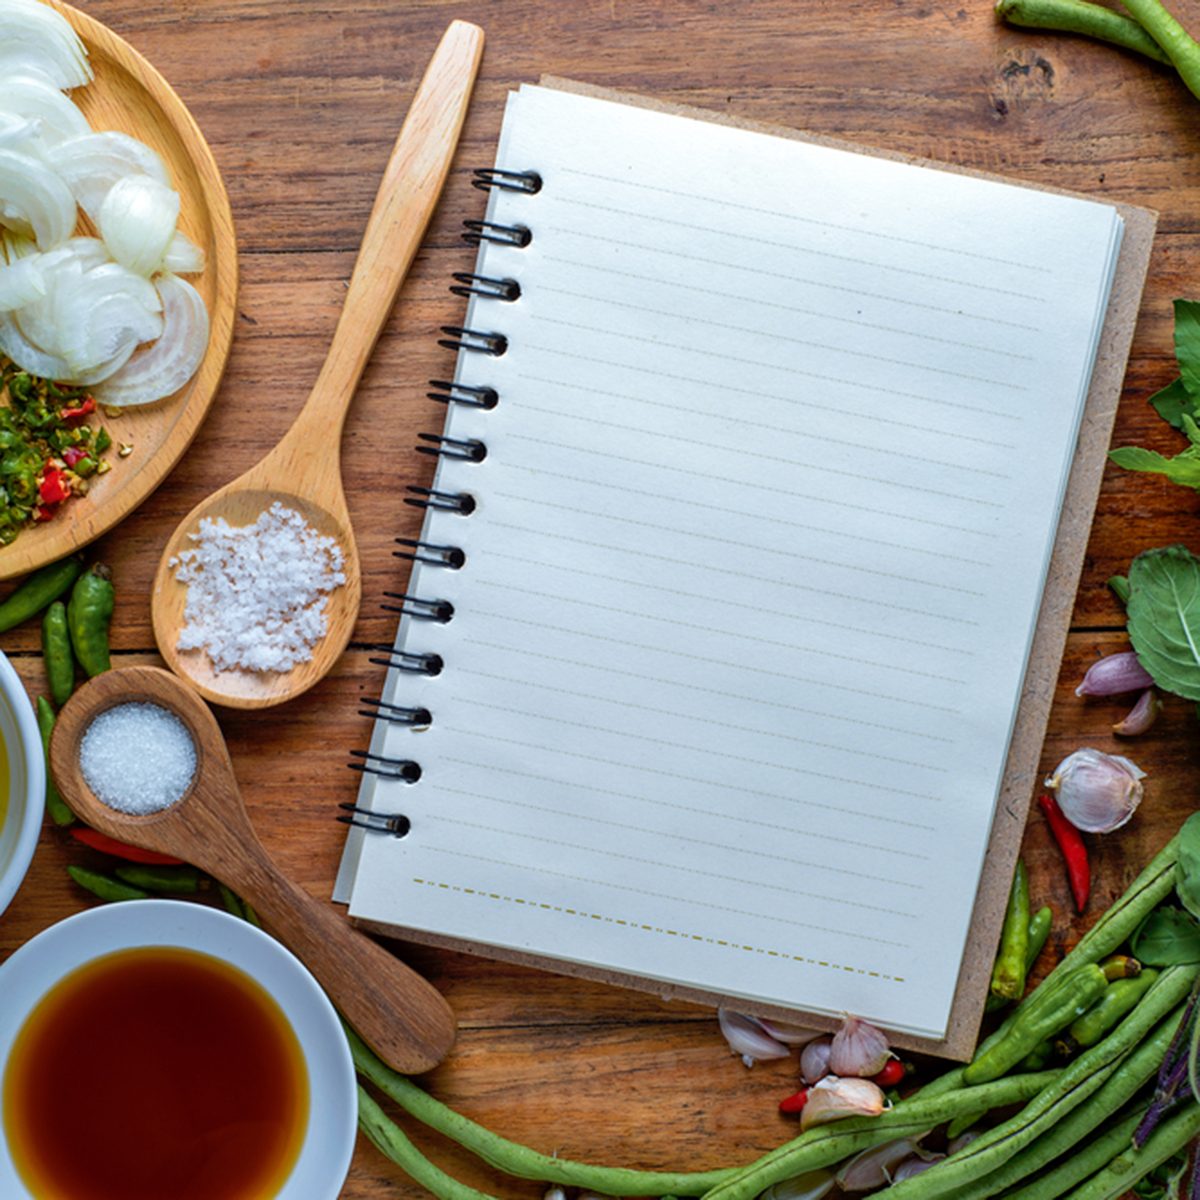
(302, 474)
(181, 797)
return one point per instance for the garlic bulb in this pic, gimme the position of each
(833, 1098)
(747, 1037)
(814, 1060)
(858, 1049)
(1097, 792)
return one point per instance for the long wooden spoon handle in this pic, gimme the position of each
(412, 182)
(396, 1012)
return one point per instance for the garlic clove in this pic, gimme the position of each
(1097, 792)
(748, 1038)
(914, 1166)
(812, 1185)
(790, 1035)
(858, 1049)
(833, 1098)
(1141, 716)
(1113, 675)
(814, 1060)
(873, 1168)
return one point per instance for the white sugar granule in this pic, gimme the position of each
(137, 757)
(256, 593)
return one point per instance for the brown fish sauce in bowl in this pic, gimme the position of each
(193, 1085)
(164, 1050)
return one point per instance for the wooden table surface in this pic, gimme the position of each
(301, 100)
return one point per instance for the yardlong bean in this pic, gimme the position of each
(1081, 1162)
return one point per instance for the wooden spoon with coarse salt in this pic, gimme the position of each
(303, 472)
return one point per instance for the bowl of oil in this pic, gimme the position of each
(164, 1048)
(22, 782)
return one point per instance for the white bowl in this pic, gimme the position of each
(26, 782)
(41, 963)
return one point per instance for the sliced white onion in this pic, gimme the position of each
(91, 164)
(34, 199)
(36, 98)
(137, 222)
(21, 283)
(22, 134)
(38, 320)
(26, 355)
(110, 311)
(165, 366)
(183, 256)
(31, 32)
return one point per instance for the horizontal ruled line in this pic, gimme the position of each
(737, 817)
(741, 206)
(459, 821)
(791, 277)
(676, 623)
(457, 852)
(641, 676)
(658, 711)
(751, 605)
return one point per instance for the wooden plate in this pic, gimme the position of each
(128, 94)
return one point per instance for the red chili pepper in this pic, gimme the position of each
(1074, 852)
(106, 845)
(45, 512)
(82, 409)
(794, 1103)
(54, 487)
(891, 1074)
(72, 454)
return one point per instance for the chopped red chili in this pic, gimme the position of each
(1074, 852)
(54, 487)
(72, 454)
(79, 411)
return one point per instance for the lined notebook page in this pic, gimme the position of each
(758, 549)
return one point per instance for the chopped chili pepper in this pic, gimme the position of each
(106, 845)
(54, 487)
(795, 1102)
(72, 454)
(79, 411)
(45, 512)
(1074, 852)
(891, 1074)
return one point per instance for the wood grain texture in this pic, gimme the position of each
(128, 94)
(300, 102)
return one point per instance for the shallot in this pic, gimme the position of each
(1113, 675)
(747, 1038)
(1097, 792)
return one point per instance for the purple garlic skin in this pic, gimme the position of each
(1114, 675)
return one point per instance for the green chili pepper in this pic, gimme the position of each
(105, 886)
(1119, 998)
(1038, 1057)
(37, 591)
(56, 653)
(179, 881)
(89, 612)
(1050, 1009)
(103, 440)
(1120, 966)
(1039, 934)
(1008, 975)
(56, 806)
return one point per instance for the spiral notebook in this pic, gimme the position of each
(747, 502)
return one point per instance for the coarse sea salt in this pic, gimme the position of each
(137, 757)
(256, 593)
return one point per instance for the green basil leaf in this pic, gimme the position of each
(1168, 937)
(1164, 618)
(1187, 344)
(1187, 866)
(1172, 402)
(1183, 469)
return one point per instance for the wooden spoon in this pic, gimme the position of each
(400, 1015)
(304, 469)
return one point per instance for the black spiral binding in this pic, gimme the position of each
(459, 338)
